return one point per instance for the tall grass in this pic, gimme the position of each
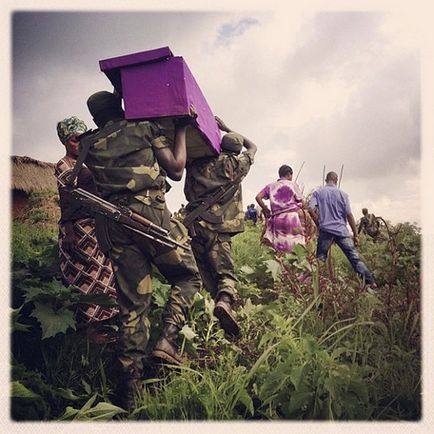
(315, 345)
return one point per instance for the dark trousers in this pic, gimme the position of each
(346, 244)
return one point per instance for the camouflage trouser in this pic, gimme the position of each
(132, 256)
(212, 251)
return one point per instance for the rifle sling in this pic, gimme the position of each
(86, 140)
(201, 211)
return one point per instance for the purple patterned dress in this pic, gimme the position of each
(283, 230)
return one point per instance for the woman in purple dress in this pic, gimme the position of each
(283, 228)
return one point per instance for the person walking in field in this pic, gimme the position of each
(82, 263)
(283, 228)
(369, 224)
(129, 161)
(330, 209)
(251, 214)
(211, 230)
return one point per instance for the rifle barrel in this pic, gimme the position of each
(133, 221)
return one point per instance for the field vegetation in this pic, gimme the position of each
(315, 343)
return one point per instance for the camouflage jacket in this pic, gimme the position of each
(369, 225)
(122, 161)
(206, 175)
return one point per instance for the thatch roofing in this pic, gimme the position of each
(31, 175)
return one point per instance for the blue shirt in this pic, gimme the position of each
(334, 206)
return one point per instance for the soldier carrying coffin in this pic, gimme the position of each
(215, 214)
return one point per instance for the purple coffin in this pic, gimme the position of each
(157, 85)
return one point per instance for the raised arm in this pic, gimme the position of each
(173, 160)
(248, 144)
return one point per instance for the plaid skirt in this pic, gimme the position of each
(88, 270)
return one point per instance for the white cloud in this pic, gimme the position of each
(324, 88)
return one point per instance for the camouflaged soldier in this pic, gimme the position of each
(369, 224)
(211, 233)
(129, 162)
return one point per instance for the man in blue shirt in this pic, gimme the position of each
(330, 209)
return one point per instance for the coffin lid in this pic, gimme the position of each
(111, 67)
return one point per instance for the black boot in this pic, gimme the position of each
(223, 311)
(166, 348)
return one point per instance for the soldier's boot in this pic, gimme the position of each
(166, 348)
(223, 311)
(130, 391)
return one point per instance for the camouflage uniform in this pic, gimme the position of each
(369, 225)
(126, 172)
(211, 242)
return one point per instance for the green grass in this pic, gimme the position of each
(314, 344)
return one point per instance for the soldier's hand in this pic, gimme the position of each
(267, 213)
(356, 240)
(222, 125)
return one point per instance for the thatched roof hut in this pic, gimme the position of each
(31, 175)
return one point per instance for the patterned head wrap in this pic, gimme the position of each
(70, 127)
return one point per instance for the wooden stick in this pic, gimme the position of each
(340, 176)
(301, 167)
(323, 175)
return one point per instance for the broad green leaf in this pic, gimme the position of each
(66, 393)
(337, 352)
(33, 293)
(298, 402)
(53, 322)
(275, 381)
(209, 307)
(300, 251)
(52, 291)
(160, 292)
(247, 270)
(18, 390)
(88, 404)
(310, 344)
(187, 332)
(274, 268)
(330, 386)
(16, 325)
(198, 301)
(103, 411)
(296, 376)
(246, 400)
(69, 413)
(86, 386)
(248, 308)
(267, 338)
(20, 327)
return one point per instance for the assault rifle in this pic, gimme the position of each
(123, 215)
(201, 211)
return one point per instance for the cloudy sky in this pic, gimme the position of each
(307, 85)
(337, 88)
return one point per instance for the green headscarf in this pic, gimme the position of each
(70, 127)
